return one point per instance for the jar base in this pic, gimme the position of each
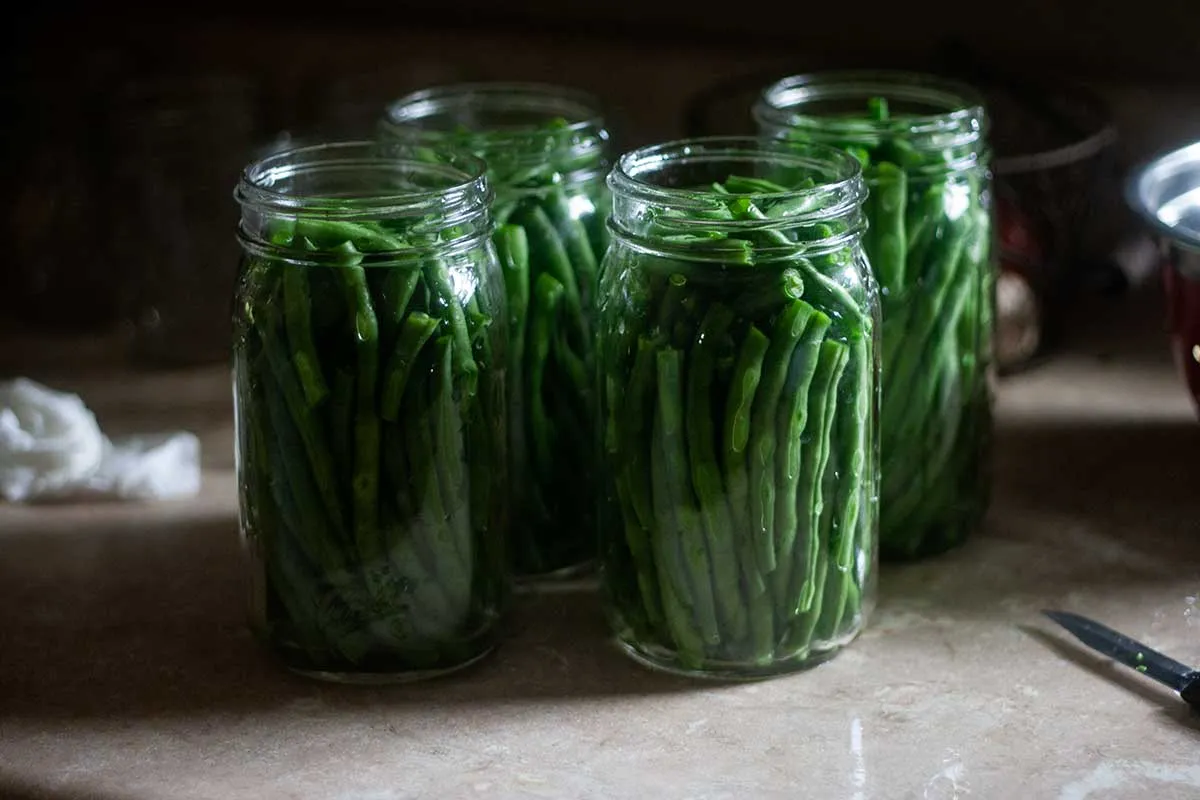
(387, 678)
(668, 662)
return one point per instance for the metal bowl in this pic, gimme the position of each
(1166, 193)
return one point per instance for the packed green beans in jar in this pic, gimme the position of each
(923, 145)
(370, 410)
(737, 328)
(545, 149)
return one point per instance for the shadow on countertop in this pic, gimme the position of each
(14, 788)
(115, 620)
(124, 623)
(1112, 474)
(1095, 509)
(1092, 499)
(1170, 705)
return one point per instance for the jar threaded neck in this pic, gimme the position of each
(528, 133)
(664, 198)
(440, 197)
(932, 115)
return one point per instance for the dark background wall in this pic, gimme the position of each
(644, 58)
(130, 124)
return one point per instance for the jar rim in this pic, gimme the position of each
(837, 194)
(961, 108)
(626, 177)
(459, 177)
(581, 109)
(528, 133)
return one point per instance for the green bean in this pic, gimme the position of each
(299, 329)
(547, 299)
(436, 541)
(788, 327)
(364, 237)
(341, 419)
(741, 184)
(746, 375)
(706, 471)
(675, 507)
(418, 327)
(512, 247)
(307, 519)
(398, 287)
(812, 593)
(804, 584)
(316, 449)
(575, 240)
(886, 236)
(843, 542)
(763, 297)
(548, 256)
(450, 304)
(633, 477)
(792, 425)
(451, 455)
(365, 484)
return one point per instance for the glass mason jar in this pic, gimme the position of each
(737, 326)
(370, 410)
(923, 145)
(545, 149)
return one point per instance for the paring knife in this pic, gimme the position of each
(1133, 654)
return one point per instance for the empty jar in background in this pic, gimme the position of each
(736, 342)
(369, 353)
(923, 145)
(546, 154)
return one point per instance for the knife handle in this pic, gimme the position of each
(1191, 692)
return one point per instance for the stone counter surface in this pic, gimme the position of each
(126, 670)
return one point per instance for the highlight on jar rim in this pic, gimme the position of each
(934, 109)
(809, 182)
(363, 179)
(518, 125)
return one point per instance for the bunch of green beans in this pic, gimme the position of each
(738, 410)
(371, 421)
(930, 244)
(550, 236)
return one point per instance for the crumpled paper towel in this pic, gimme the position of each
(52, 448)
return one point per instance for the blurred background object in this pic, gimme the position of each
(1057, 183)
(1182, 281)
(1058, 197)
(1022, 261)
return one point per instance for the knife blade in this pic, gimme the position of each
(1133, 654)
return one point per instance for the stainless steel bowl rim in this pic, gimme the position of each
(1058, 157)
(1166, 193)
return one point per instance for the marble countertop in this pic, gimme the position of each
(126, 670)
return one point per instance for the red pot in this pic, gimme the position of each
(1183, 316)
(1166, 194)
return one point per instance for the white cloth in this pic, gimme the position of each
(52, 448)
